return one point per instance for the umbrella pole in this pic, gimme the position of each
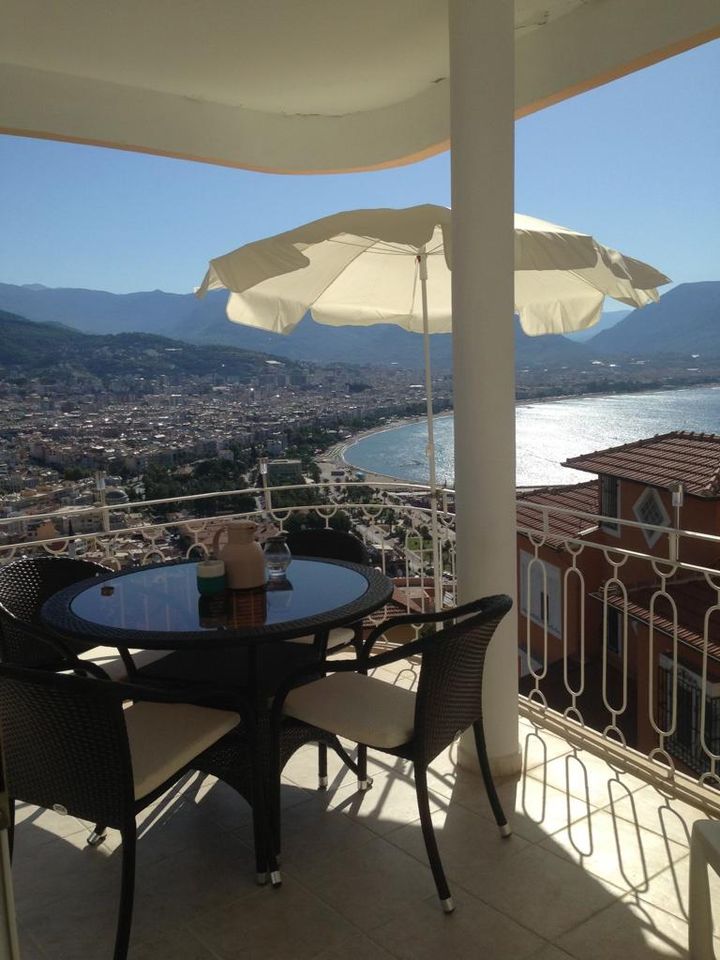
(430, 450)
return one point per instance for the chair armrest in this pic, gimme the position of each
(406, 619)
(442, 616)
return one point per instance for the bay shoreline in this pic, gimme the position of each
(336, 455)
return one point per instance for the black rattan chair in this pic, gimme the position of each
(69, 744)
(416, 726)
(326, 542)
(25, 585)
(335, 545)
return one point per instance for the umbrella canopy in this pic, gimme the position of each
(361, 267)
(364, 267)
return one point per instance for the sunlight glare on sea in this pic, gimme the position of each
(547, 433)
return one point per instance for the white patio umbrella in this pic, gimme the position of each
(364, 267)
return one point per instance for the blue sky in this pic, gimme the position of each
(634, 162)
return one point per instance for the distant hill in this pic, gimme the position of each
(607, 320)
(96, 311)
(184, 317)
(379, 344)
(686, 320)
(29, 348)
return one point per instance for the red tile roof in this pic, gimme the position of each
(578, 496)
(693, 597)
(693, 459)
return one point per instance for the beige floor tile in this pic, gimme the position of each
(95, 942)
(29, 948)
(653, 809)
(176, 889)
(391, 803)
(176, 944)
(538, 746)
(302, 768)
(470, 847)
(367, 884)
(532, 884)
(615, 850)
(584, 775)
(356, 880)
(542, 891)
(358, 947)
(626, 930)
(79, 922)
(311, 832)
(424, 932)
(36, 825)
(43, 874)
(176, 821)
(550, 952)
(217, 802)
(285, 924)
(535, 809)
(669, 891)
(73, 927)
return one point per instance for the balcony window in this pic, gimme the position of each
(609, 503)
(686, 743)
(541, 596)
(649, 508)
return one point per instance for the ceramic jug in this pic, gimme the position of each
(242, 555)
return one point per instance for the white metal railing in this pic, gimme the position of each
(617, 644)
(394, 523)
(625, 641)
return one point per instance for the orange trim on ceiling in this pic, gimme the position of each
(633, 66)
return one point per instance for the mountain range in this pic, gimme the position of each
(32, 348)
(685, 321)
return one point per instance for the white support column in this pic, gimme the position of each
(482, 157)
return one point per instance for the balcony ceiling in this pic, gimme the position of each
(282, 85)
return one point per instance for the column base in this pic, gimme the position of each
(509, 765)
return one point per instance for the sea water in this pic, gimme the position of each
(547, 433)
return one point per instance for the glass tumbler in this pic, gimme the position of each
(277, 558)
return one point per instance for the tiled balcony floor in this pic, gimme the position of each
(597, 867)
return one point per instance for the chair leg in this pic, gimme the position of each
(267, 814)
(431, 846)
(498, 812)
(364, 781)
(97, 836)
(261, 844)
(264, 837)
(11, 826)
(322, 766)
(127, 892)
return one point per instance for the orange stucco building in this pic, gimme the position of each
(612, 609)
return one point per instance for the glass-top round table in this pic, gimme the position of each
(159, 607)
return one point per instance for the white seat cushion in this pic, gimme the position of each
(112, 663)
(363, 709)
(338, 637)
(164, 737)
